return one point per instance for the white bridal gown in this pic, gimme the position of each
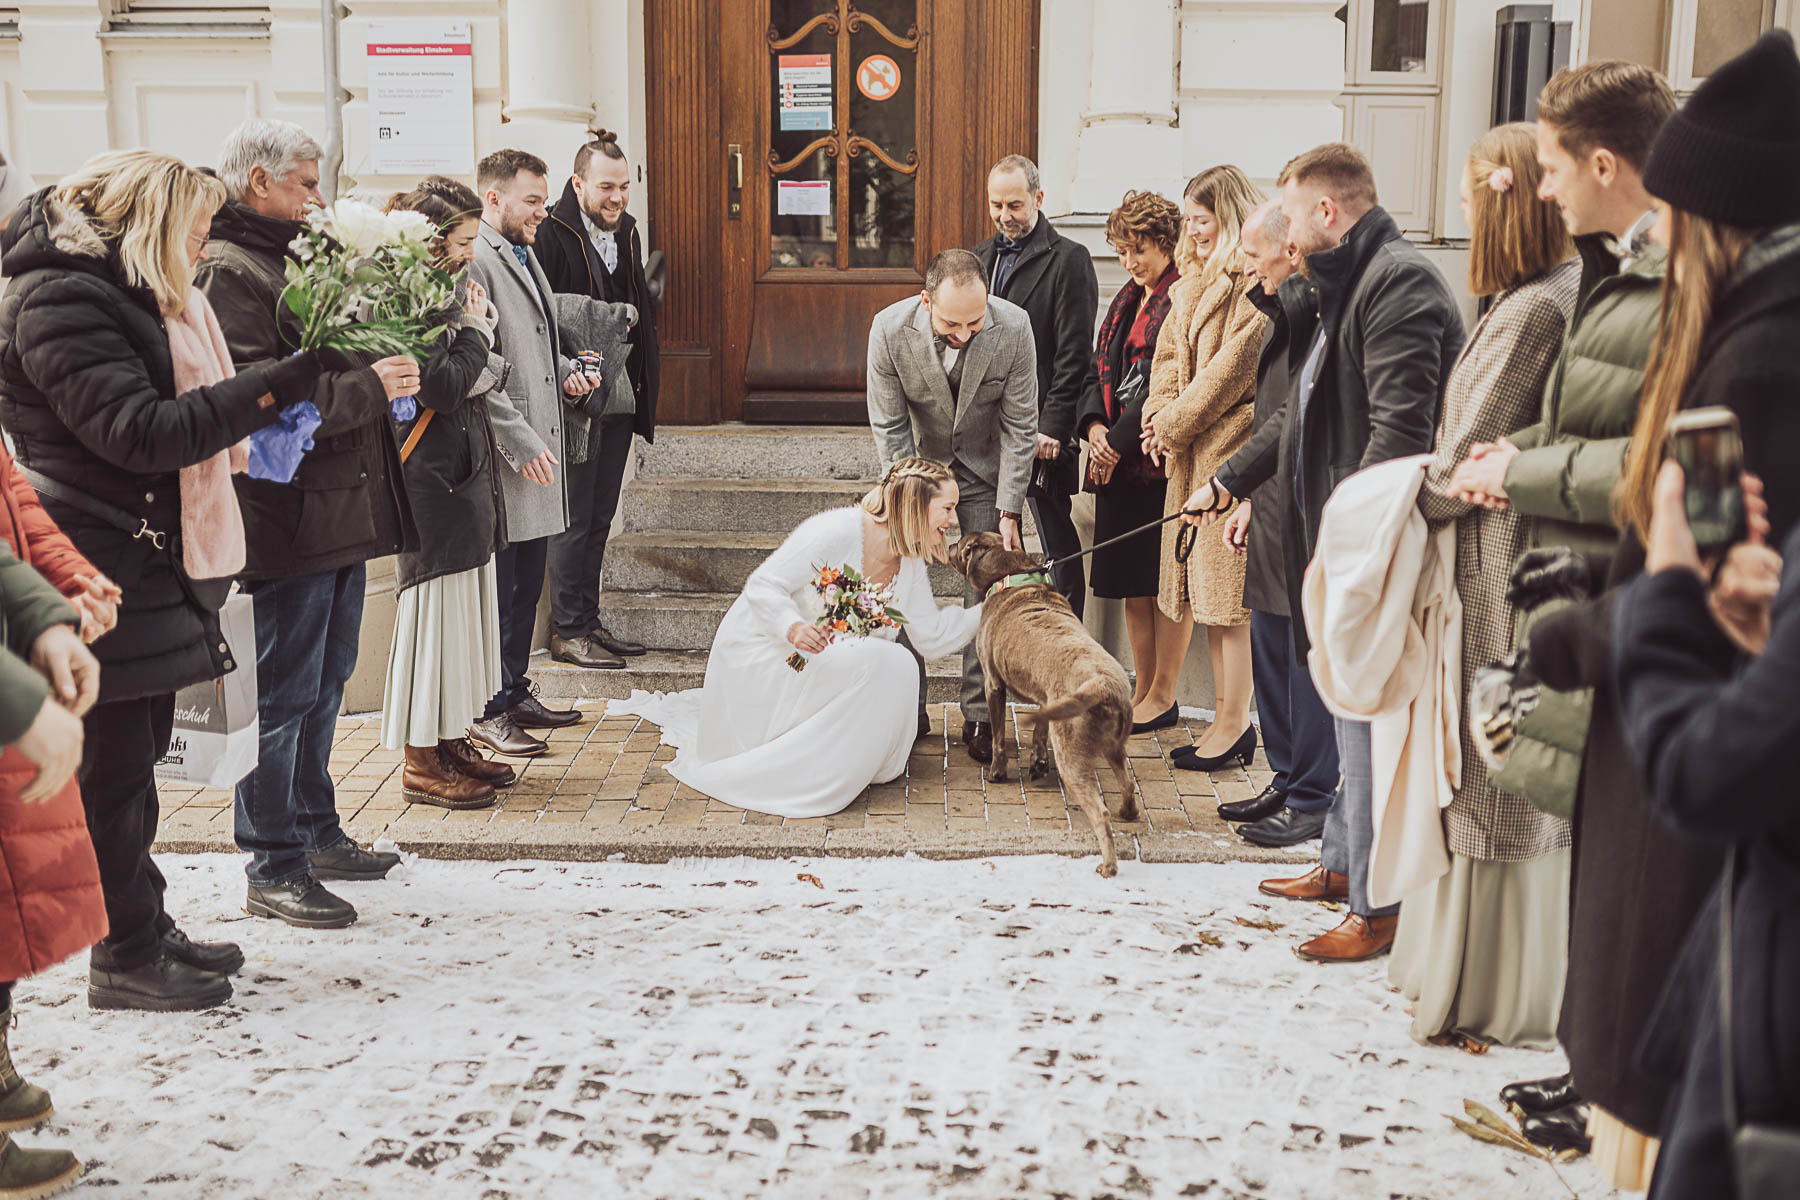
(763, 736)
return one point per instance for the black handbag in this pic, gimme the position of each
(1766, 1157)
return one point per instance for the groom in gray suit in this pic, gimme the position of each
(953, 377)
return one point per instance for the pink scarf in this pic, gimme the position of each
(212, 527)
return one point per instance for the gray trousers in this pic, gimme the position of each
(1350, 825)
(977, 511)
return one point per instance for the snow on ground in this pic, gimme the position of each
(1018, 1027)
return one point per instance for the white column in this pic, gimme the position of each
(1128, 135)
(62, 81)
(549, 98)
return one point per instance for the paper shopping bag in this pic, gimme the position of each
(215, 737)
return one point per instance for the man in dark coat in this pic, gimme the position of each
(1296, 727)
(589, 246)
(308, 540)
(1052, 279)
(1369, 390)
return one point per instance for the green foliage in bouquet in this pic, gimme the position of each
(363, 281)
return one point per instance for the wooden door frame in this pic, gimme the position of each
(692, 115)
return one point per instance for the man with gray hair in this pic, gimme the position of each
(952, 376)
(1296, 727)
(1028, 263)
(308, 540)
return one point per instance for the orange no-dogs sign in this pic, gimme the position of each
(878, 77)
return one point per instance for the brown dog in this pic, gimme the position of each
(1032, 646)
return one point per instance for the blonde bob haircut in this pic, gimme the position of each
(143, 204)
(902, 503)
(1515, 236)
(1230, 196)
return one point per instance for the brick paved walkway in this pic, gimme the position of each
(603, 790)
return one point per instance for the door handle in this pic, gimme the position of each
(734, 154)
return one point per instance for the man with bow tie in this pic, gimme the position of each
(952, 376)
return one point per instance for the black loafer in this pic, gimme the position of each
(1256, 808)
(221, 958)
(602, 637)
(530, 713)
(1285, 827)
(163, 984)
(347, 860)
(1540, 1095)
(302, 902)
(1168, 720)
(585, 652)
(978, 736)
(1564, 1129)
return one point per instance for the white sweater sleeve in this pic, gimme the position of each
(933, 631)
(771, 589)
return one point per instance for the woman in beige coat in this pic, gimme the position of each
(1201, 386)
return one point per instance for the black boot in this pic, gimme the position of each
(1540, 1095)
(1564, 1129)
(347, 860)
(163, 984)
(303, 902)
(221, 958)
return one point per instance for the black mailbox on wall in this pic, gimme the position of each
(1529, 47)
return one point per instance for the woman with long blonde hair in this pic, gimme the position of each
(121, 399)
(805, 741)
(1202, 381)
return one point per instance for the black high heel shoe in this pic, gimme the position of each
(1168, 720)
(1242, 751)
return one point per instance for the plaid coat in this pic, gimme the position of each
(1496, 387)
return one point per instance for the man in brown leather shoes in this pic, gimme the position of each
(1355, 939)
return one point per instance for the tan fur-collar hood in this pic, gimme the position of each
(71, 230)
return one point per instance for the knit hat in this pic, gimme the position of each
(1732, 153)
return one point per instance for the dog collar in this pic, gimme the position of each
(1021, 579)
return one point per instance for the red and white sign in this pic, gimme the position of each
(878, 77)
(421, 97)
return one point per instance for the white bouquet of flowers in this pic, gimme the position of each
(362, 280)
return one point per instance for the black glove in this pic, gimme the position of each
(1549, 573)
(294, 378)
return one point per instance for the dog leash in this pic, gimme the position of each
(1185, 539)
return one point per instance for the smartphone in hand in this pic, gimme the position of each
(1710, 450)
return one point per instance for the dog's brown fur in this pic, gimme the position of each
(1032, 647)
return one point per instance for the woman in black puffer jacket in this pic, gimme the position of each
(89, 399)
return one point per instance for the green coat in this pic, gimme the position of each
(28, 606)
(1564, 475)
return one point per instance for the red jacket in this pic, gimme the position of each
(50, 902)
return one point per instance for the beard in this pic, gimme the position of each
(602, 221)
(516, 231)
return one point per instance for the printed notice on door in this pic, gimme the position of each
(803, 198)
(421, 97)
(804, 81)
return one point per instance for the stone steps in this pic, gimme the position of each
(749, 505)
(679, 670)
(805, 452)
(690, 561)
(674, 620)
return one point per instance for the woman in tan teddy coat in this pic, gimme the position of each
(1201, 386)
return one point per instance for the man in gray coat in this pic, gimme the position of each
(528, 419)
(953, 377)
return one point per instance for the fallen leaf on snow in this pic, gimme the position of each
(1248, 923)
(803, 877)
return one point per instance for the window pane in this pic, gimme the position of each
(1398, 35)
(884, 110)
(1723, 30)
(802, 200)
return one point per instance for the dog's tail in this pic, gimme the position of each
(1083, 698)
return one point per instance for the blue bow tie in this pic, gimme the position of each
(523, 255)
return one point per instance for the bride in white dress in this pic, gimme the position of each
(763, 736)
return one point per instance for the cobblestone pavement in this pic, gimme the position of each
(725, 1028)
(603, 787)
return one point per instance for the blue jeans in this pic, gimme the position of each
(306, 634)
(1297, 729)
(1350, 825)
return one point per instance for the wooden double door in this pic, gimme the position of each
(807, 159)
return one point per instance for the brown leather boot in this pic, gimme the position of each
(1316, 884)
(469, 761)
(431, 777)
(1356, 939)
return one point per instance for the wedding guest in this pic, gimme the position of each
(1130, 489)
(952, 376)
(1724, 336)
(130, 457)
(527, 416)
(37, 539)
(56, 906)
(1201, 387)
(1053, 280)
(1595, 127)
(444, 662)
(1482, 952)
(308, 539)
(1297, 732)
(589, 245)
(1369, 391)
